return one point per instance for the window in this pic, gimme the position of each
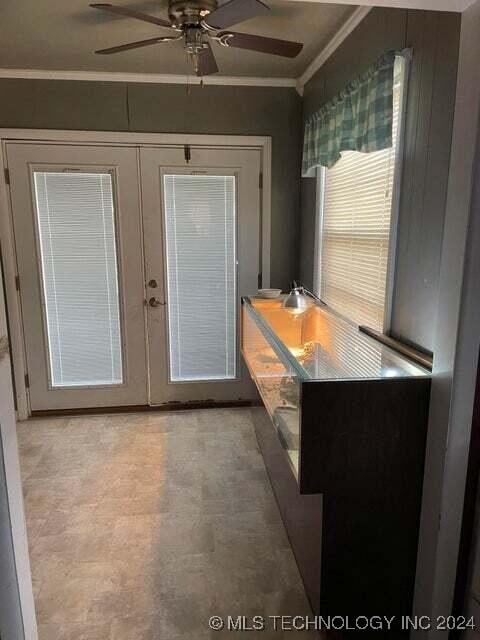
(355, 216)
(200, 217)
(76, 231)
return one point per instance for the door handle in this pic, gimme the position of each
(153, 302)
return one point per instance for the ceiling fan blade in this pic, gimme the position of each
(264, 45)
(131, 13)
(206, 62)
(235, 11)
(135, 45)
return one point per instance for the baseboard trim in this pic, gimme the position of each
(169, 406)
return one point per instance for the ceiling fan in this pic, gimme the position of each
(198, 22)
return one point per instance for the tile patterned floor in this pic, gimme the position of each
(142, 526)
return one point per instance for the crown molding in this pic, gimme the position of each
(345, 30)
(456, 6)
(151, 78)
(165, 78)
(298, 83)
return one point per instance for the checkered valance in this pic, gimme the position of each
(359, 118)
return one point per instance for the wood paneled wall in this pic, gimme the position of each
(116, 106)
(434, 38)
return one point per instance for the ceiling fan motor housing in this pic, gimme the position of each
(190, 12)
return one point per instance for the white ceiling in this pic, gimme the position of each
(62, 35)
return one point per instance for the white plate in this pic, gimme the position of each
(269, 293)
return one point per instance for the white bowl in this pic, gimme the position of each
(269, 293)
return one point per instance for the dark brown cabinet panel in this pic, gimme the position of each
(345, 454)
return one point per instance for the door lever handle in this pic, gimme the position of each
(153, 302)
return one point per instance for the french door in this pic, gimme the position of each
(132, 262)
(202, 248)
(77, 223)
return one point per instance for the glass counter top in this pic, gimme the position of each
(319, 345)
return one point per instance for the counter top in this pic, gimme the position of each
(321, 345)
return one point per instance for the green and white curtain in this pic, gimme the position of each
(359, 118)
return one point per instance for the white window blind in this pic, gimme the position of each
(201, 276)
(76, 229)
(356, 222)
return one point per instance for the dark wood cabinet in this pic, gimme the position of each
(343, 435)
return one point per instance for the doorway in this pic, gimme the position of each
(132, 261)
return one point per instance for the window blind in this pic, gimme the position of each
(76, 230)
(356, 222)
(200, 226)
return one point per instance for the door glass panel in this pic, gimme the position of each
(76, 230)
(200, 227)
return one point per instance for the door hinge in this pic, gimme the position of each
(7, 176)
(259, 281)
(260, 180)
(188, 153)
(27, 381)
(17, 283)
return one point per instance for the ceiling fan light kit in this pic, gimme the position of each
(198, 22)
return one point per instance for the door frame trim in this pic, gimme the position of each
(106, 138)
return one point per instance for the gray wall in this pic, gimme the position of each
(457, 342)
(11, 621)
(265, 111)
(277, 112)
(11, 625)
(434, 37)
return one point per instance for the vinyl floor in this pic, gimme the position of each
(143, 526)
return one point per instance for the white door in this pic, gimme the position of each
(202, 253)
(77, 223)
